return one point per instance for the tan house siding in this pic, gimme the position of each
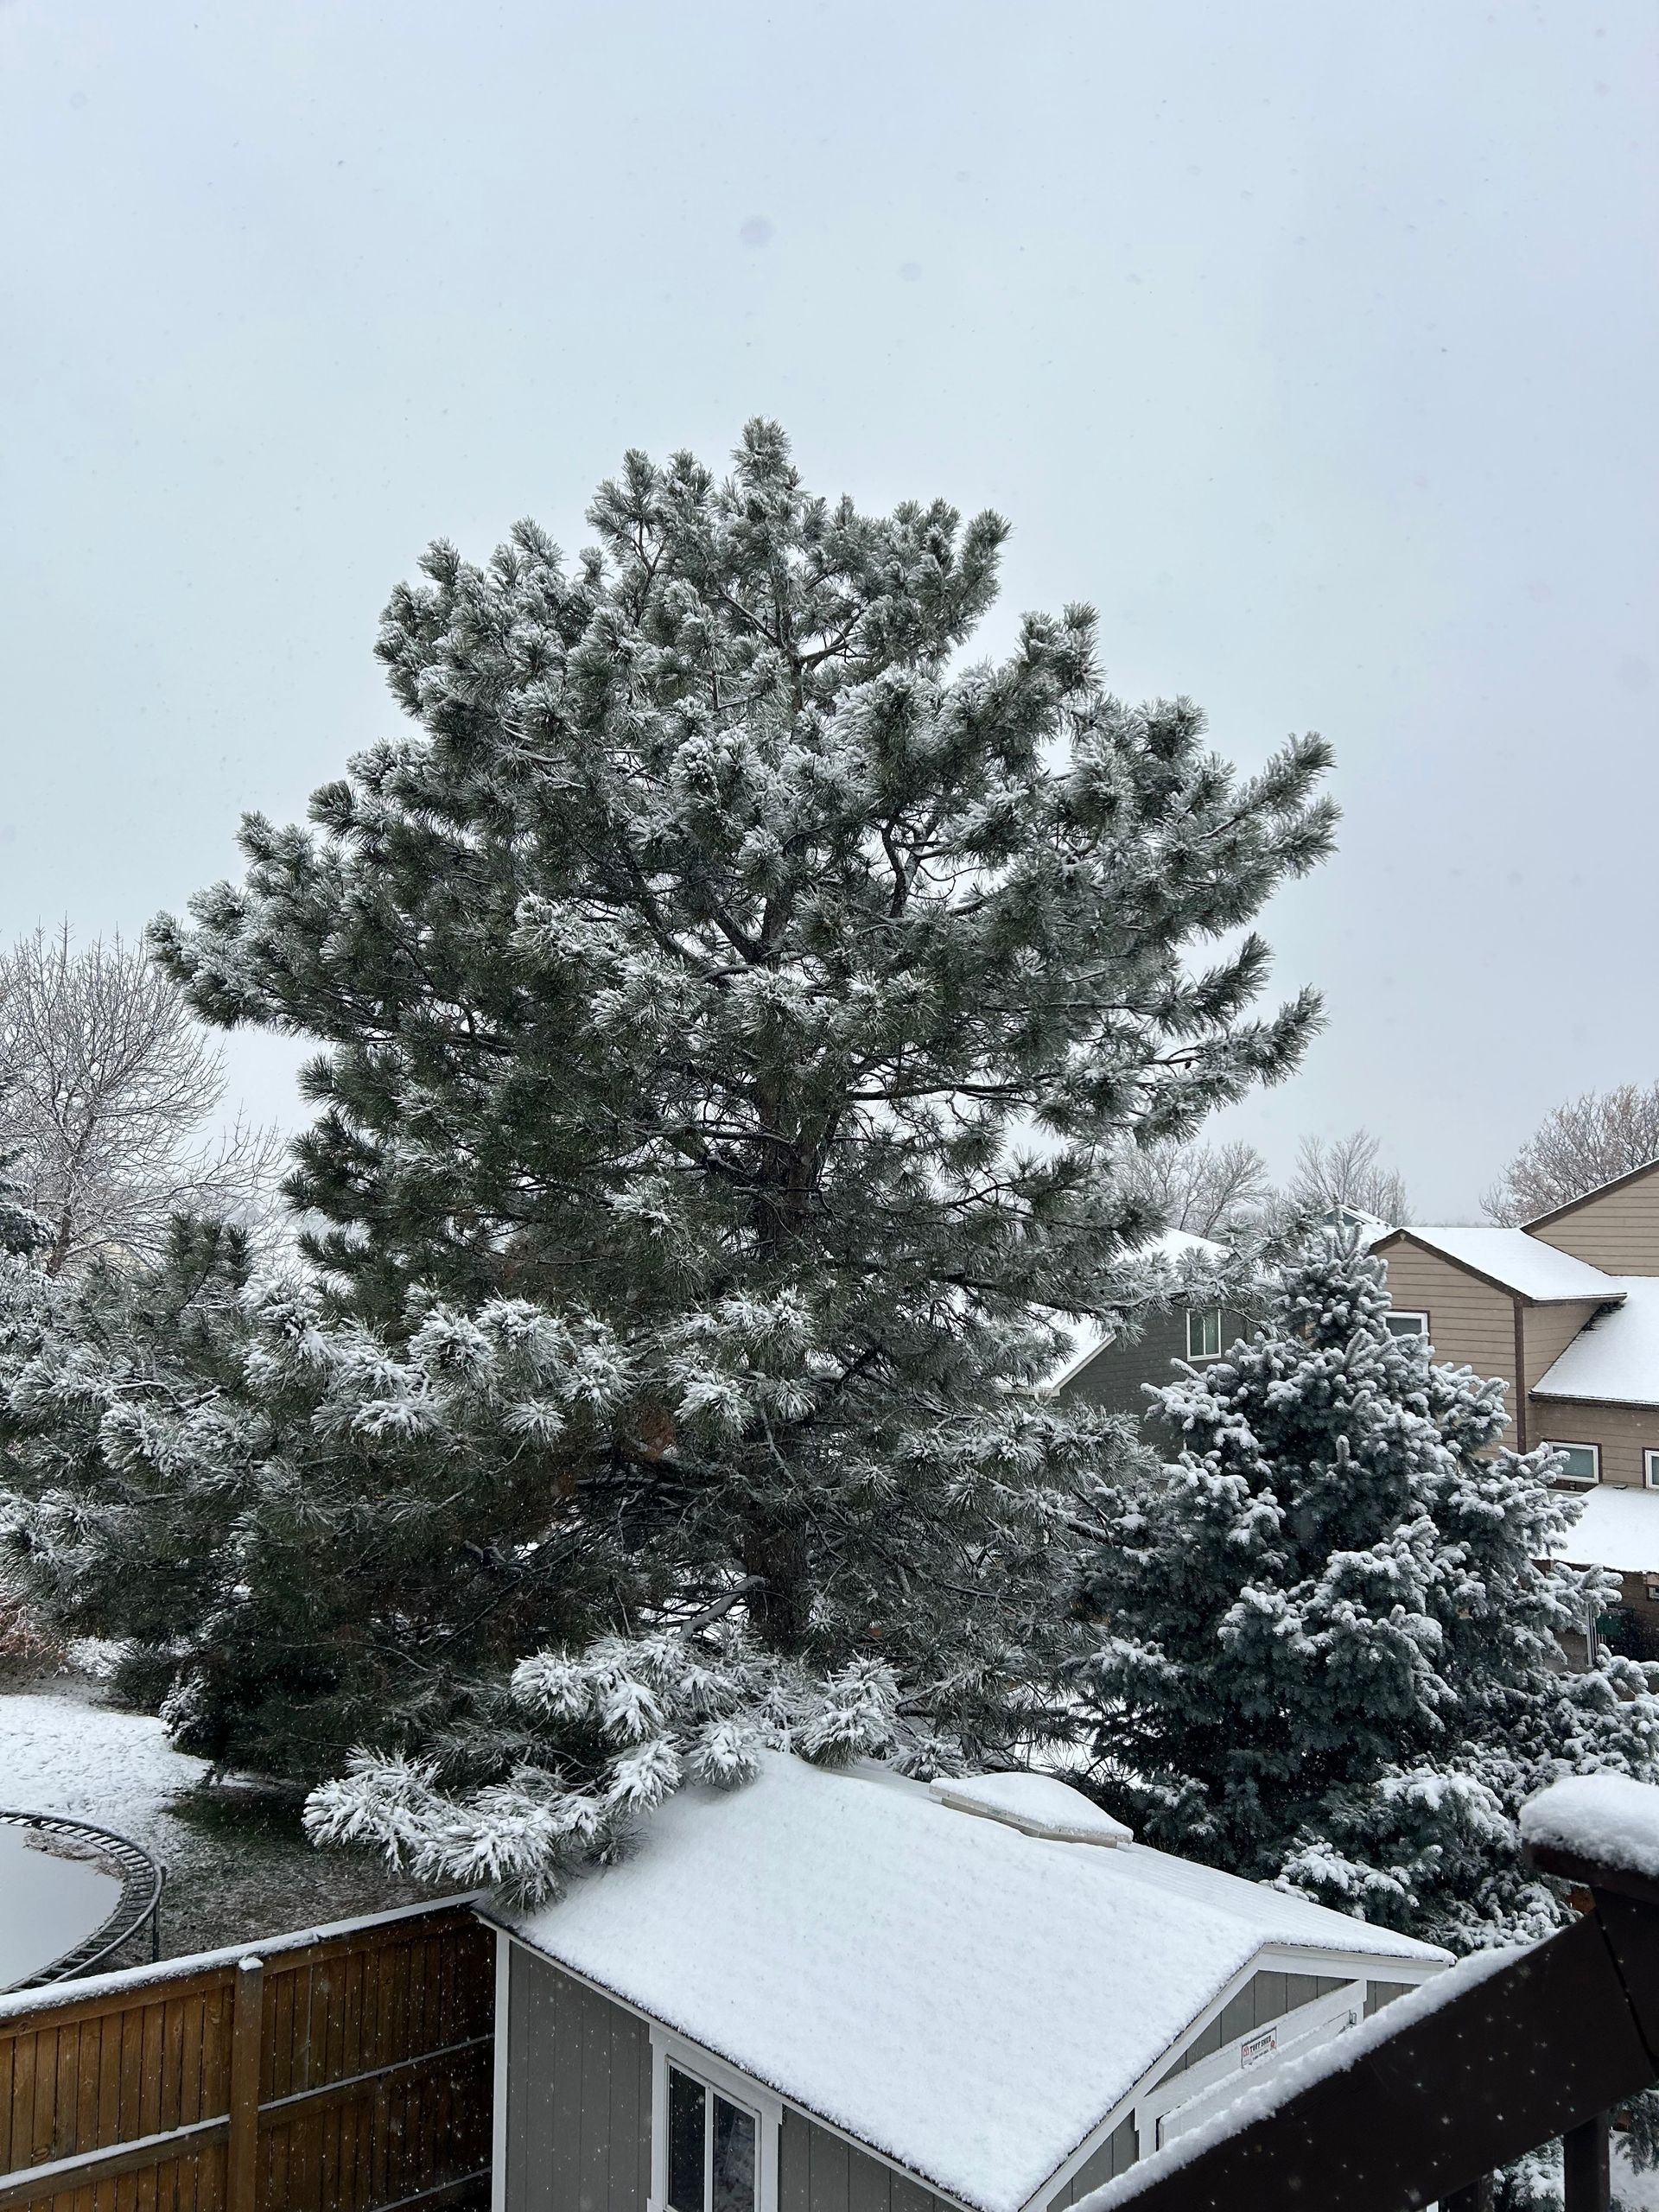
(1546, 1332)
(1623, 1432)
(1471, 1323)
(1617, 1228)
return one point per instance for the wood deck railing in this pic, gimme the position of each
(346, 2071)
(1543, 2046)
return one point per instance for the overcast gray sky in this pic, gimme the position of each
(1314, 343)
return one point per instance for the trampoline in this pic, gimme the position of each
(71, 1895)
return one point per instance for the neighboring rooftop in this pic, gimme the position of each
(1618, 1529)
(1178, 1252)
(1616, 1358)
(971, 2000)
(1520, 1263)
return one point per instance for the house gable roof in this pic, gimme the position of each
(1512, 1261)
(1589, 1198)
(970, 2000)
(1618, 1528)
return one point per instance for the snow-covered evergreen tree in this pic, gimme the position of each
(732, 1007)
(1327, 1652)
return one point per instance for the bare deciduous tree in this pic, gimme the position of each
(1581, 1146)
(1345, 1172)
(106, 1084)
(1208, 1190)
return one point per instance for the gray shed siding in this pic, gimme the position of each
(1114, 1377)
(820, 2172)
(579, 2113)
(578, 2095)
(1115, 2156)
(1264, 1997)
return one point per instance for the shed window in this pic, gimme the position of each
(710, 2149)
(1650, 1469)
(714, 2133)
(1204, 1334)
(1580, 1463)
(1403, 1323)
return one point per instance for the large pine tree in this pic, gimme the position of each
(732, 1005)
(1327, 1651)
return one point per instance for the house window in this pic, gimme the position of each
(1650, 1469)
(1204, 1334)
(1400, 1323)
(714, 2133)
(1580, 1465)
(711, 2147)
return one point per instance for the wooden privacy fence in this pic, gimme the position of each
(349, 2071)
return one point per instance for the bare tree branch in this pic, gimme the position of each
(1588, 1142)
(105, 1082)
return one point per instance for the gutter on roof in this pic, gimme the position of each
(1579, 1398)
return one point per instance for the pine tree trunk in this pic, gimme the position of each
(780, 1608)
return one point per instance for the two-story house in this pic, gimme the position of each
(1565, 1311)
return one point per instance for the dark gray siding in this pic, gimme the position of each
(578, 2095)
(1264, 1997)
(1114, 1377)
(1115, 2155)
(1379, 1993)
(818, 2172)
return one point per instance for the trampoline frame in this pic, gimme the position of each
(142, 1881)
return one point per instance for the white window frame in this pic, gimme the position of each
(1202, 1314)
(767, 2110)
(1408, 1313)
(1577, 1481)
(1650, 1469)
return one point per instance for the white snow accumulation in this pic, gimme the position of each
(1617, 1357)
(1618, 1528)
(50, 1900)
(1276, 2090)
(968, 1998)
(61, 1755)
(1525, 1263)
(1038, 1804)
(1604, 1818)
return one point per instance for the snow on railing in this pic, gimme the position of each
(1500, 2055)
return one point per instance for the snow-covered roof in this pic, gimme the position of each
(1520, 1263)
(968, 1999)
(1618, 1528)
(1616, 1358)
(1037, 1804)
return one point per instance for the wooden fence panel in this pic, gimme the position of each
(366, 2073)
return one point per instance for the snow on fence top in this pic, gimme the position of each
(971, 1999)
(1606, 1819)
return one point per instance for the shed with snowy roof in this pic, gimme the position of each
(852, 1993)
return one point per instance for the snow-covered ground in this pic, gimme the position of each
(62, 1752)
(1633, 2192)
(237, 1866)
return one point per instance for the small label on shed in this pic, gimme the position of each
(1255, 2048)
